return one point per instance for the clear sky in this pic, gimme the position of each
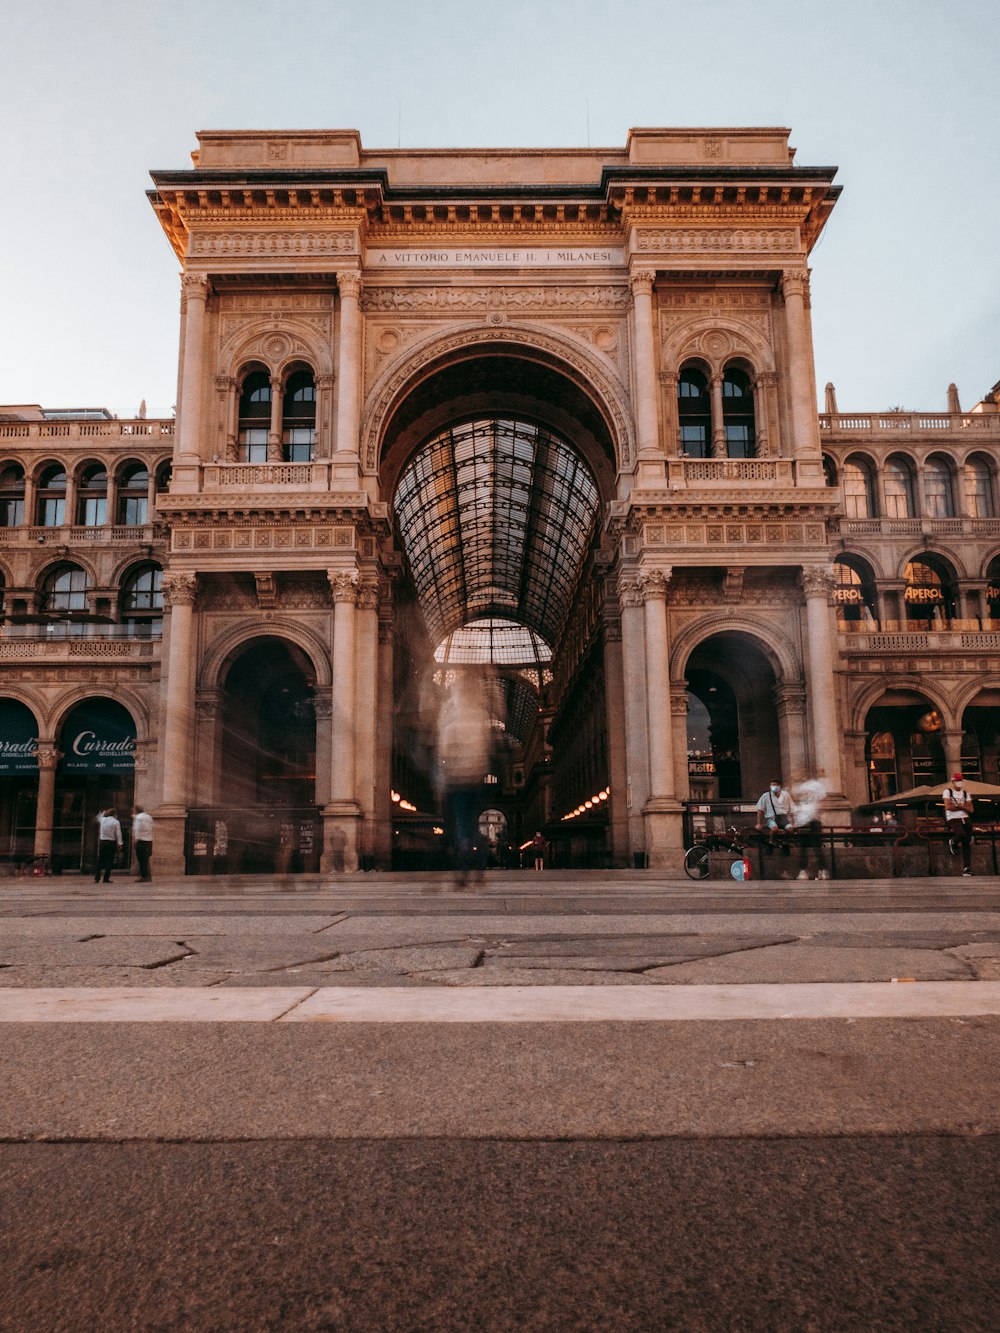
(902, 95)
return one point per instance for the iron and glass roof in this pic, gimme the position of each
(496, 515)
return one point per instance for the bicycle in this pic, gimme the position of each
(697, 856)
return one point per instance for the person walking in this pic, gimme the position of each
(958, 819)
(109, 843)
(142, 840)
(538, 851)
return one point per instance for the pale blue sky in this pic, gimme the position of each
(901, 95)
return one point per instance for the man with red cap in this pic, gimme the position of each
(958, 819)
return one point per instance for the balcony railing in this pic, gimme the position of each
(313, 476)
(143, 535)
(907, 636)
(894, 424)
(733, 471)
(86, 432)
(907, 527)
(63, 642)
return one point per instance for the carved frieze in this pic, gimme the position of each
(690, 240)
(557, 299)
(261, 243)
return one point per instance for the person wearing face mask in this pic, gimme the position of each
(774, 812)
(958, 819)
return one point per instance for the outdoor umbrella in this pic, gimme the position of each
(981, 791)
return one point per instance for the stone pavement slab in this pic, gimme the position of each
(402, 960)
(123, 952)
(243, 953)
(536, 976)
(800, 963)
(36, 975)
(223, 922)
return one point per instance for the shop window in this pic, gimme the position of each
(939, 490)
(859, 489)
(694, 412)
(133, 496)
(11, 496)
(92, 498)
(738, 414)
(929, 591)
(979, 494)
(898, 482)
(141, 602)
(50, 502)
(972, 758)
(993, 588)
(854, 592)
(883, 777)
(255, 417)
(927, 750)
(299, 417)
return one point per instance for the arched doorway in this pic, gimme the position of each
(497, 468)
(96, 770)
(18, 780)
(265, 816)
(734, 741)
(904, 744)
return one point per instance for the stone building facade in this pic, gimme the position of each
(497, 500)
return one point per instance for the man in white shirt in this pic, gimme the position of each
(142, 841)
(774, 812)
(109, 842)
(958, 819)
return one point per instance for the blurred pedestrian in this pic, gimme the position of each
(142, 841)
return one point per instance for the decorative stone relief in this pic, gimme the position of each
(543, 298)
(344, 584)
(236, 244)
(691, 239)
(180, 589)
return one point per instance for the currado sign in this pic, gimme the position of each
(98, 737)
(18, 739)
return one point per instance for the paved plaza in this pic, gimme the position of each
(534, 1102)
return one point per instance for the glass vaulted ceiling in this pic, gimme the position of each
(496, 516)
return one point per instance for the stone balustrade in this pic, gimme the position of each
(893, 424)
(139, 432)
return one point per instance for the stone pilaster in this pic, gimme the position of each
(346, 459)
(340, 815)
(817, 586)
(189, 443)
(805, 427)
(650, 464)
(48, 760)
(179, 594)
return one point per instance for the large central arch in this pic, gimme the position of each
(497, 461)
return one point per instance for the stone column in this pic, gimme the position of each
(795, 290)
(382, 842)
(650, 456)
(274, 428)
(340, 850)
(614, 697)
(662, 810)
(678, 718)
(323, 713)
(45, 804)
(762, 387)
(366, 696)
(951, 739)
(348, 378)
(324, 397)
(194, 297)
(634, 691)
(821, 654)
(225, 388)
(671, 421)
(177, 722)
(790, 706)
(720, 447)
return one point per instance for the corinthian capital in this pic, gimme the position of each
(817, 581)
(195, 286)
(180, 589)
(795, 282)
(641, 281)
(344, 584)
(48, 756)
(349, 284)
(629, 591)
(654, 583)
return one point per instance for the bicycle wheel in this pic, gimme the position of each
(696, 861)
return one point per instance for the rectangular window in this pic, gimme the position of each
(253, 445)
(133, 511)
(694, 441)
(53, 513)
(92, 512)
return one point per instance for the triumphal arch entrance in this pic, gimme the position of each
(497, 504)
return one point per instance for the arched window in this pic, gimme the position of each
(738, 415)
(883, 779)
(979, 493)
(50, 500)
(92, 497)
(929, 593)
(11, 496)
(255, 417)
(694, 412)
(898, 481)
(64, 590)
(163, 475)
(927, 750)
(133, 495)
(854, 593)
(939, 489)
(141, 602)
(859, 489)
(829, 470)
(993, 588)
(299, 417)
